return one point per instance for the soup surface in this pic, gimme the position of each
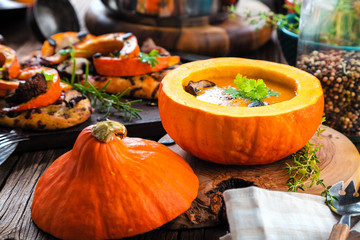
(217, 95)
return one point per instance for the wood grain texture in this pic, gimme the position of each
(339, 232)
(339, 161)
(228, 38)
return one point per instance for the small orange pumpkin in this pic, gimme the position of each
(112, 186)
(240, 135)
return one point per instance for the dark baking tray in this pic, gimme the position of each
(148, 127)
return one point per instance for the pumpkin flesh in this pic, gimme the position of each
(240, 135)
(112, 190)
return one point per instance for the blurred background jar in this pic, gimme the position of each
(329, 48)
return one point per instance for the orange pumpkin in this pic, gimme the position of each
(240, 135)
(112, 186)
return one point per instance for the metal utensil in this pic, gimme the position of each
(8, 144)
(49, 17)
(347, 205)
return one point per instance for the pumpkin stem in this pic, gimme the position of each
(106, 131)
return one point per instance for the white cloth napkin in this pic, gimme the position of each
(255, 213)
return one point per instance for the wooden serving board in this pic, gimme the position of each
(339, 161)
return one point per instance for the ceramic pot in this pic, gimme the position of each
(288, 41)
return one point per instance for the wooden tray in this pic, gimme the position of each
(148, 127)
(339, 161)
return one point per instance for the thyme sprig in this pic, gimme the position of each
(102, 101)
(305, 169)
(106, 102)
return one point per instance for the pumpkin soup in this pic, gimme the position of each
(214, 91)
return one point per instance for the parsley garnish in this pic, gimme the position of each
(48, 77)
(254, 90)
(232, 11)
(150, 58)
(66, 51)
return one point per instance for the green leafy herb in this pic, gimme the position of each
(70, 51)
(66, 51)
(1, 72)
(48, 77)
(150, 58)
(254, 90)
(277, 19)
(232, 11)
(103, 101)
(305, 169)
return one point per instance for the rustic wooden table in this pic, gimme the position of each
(20, 173)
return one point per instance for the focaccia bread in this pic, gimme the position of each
(71, 109)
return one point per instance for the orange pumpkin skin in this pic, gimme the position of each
(112, 190)
(117, 67)
(53, 91)
(104, 44)
(9, 64)
(240, 135)
(64, 39)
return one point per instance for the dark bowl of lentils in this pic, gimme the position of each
(338, 69)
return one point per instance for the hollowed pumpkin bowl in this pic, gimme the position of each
(240, 135)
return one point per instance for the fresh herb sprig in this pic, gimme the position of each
(48, 77)
(271, 18)
(150, 58)
(305, 169)
(254, 90)
(106, 102)
(232, 11)
(99, 98)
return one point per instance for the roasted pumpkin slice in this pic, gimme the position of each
(117, 67)
(240, 135)
(125, 43)
(9, 66)
(51, 93)
(9, 84)
(62, 40)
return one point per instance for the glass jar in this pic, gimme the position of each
(329, 48)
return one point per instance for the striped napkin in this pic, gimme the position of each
(255, 213)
